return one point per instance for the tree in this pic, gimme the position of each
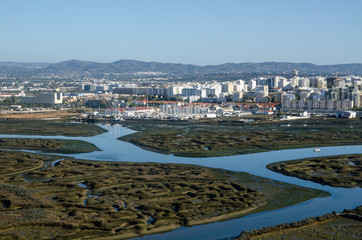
(11, 100)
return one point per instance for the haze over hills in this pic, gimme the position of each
(131, 67)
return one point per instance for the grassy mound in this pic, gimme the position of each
(49, 128)
(48, 145)
(336, 171)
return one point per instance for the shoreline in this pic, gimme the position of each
(311, 221)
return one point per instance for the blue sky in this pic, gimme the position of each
(199, 32)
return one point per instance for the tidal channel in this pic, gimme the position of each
(340, 199)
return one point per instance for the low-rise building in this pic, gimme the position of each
(44, 98)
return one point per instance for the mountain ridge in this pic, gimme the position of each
(132, 67)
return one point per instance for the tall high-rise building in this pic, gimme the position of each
(273, 82)
(252, 84)
(331, 81)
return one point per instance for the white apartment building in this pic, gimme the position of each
(252, 84)
(301, 105)
(174, 91)
(188, 92)
(227, 87)
(304, 83)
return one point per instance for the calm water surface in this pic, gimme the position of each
(341, 198)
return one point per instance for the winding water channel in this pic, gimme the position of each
(340, 199)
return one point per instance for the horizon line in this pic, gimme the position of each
(40, 62)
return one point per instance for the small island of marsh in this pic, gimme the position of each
(70, 198)
(336, 171)
(218, 139)
(49, 128)
(48, 145)
(338, 226)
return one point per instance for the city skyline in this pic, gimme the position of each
(189, 32)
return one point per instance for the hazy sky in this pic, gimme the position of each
(199, 32)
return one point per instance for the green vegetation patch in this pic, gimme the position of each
(336, 171)
(207, 140)
(87, 199)
(52, 128)
(48, 145)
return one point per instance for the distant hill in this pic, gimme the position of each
(123, 67)
(20, 69)
(131, 67)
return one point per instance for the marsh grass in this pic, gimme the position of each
(48, 145)
(345, 225)
(87, 199)
(208, 140)
(49, 128)
(336, 171)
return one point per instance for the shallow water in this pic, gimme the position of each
(341, 198)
